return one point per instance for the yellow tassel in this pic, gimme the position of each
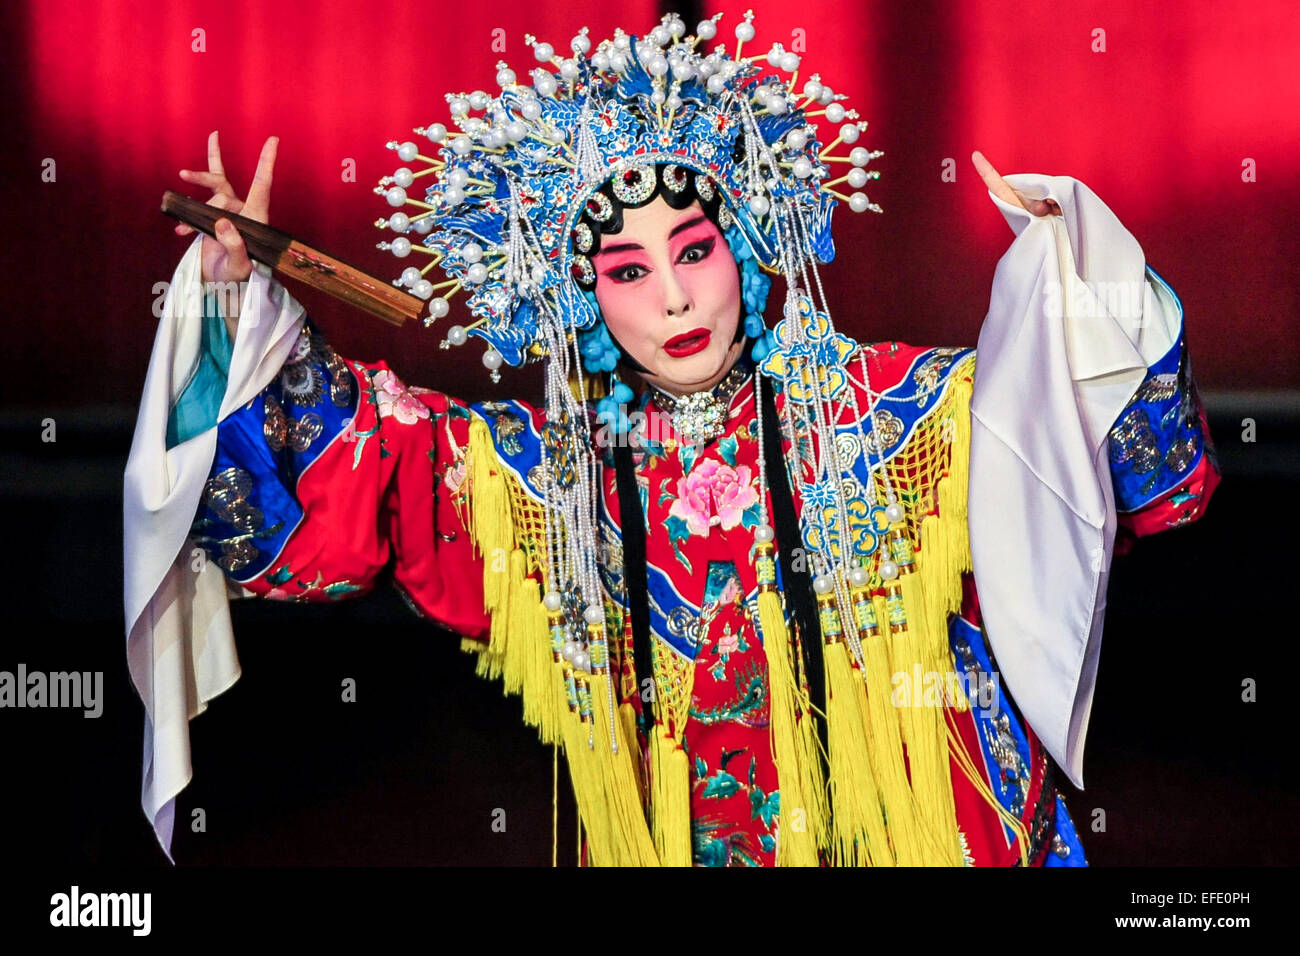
(857, 823)
(491, 523)
(631, 841)
(923, 730)
(884, 743)
(670, 801)
(627, 717)
(804, 815)
(593, 809)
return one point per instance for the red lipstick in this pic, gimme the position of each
(688, 343)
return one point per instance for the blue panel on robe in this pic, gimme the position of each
(249, 508)
(1157, 439)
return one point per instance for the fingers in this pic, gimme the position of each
(258, 204)
(214, 181)
(237, 261)
(994, 182)
(214, 155)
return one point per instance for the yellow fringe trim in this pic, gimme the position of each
(858, 823)
(605, 773)
(805, 814)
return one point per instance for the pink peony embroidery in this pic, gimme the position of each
(728, 643)
(713, 491)
(397, 400)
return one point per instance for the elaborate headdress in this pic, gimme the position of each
(510, 210)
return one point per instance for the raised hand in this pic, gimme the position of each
(225, 259)
(1009, 194)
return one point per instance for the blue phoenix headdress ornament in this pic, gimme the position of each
(509, 196)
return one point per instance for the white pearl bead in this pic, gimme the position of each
(545, 85)
(617, 62)
(531, 109)
(789, 62)
(894, 512)
(569, 649)
(823, 584)
(568, 69)
(423, 288)
(716, 84)
(478, 100)
(410, 276)
(683, 71)
(436, 134)
(857, 177)
(395, 196)
(812, 89)
(706, 29)
(600, 62)
(492, 359)
(580, 44)
(471, 252)
(439, 307)
(774, 55)
(593, 614)
(458, 107)
(835, 113)
(476, 273)
(399, 222)
(544, 52)
(457, 335)
(401, 247)
(407, 151)
(762, 95)
(453, 195)
(827, 97)
(803, 167)
(659, 36)
(859, 202)
(658, 98)
(424, 226)
(496, 138)
(674, 103)
(849, 133)
(537, 273)
(676, 27)
(859, 156)
(858, 577)
(552, 601)
(505, 78)
(403, 177)
(764, 533)
(462, 146)
(582, 660)
(515, 131)
(658, 65)
(744, 32)
(777, 106)
(759, 205)
(888, 570)
(796, 138)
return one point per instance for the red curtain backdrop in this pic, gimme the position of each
(1159, 125)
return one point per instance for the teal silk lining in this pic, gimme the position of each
(200, 403)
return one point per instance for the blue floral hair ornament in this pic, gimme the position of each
(612, 409)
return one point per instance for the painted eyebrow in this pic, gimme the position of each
(681, 227)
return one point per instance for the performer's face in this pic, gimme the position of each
(669, 290)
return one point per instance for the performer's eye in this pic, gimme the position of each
(698, 251)
(628, 273)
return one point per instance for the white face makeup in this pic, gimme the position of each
(669, 291)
